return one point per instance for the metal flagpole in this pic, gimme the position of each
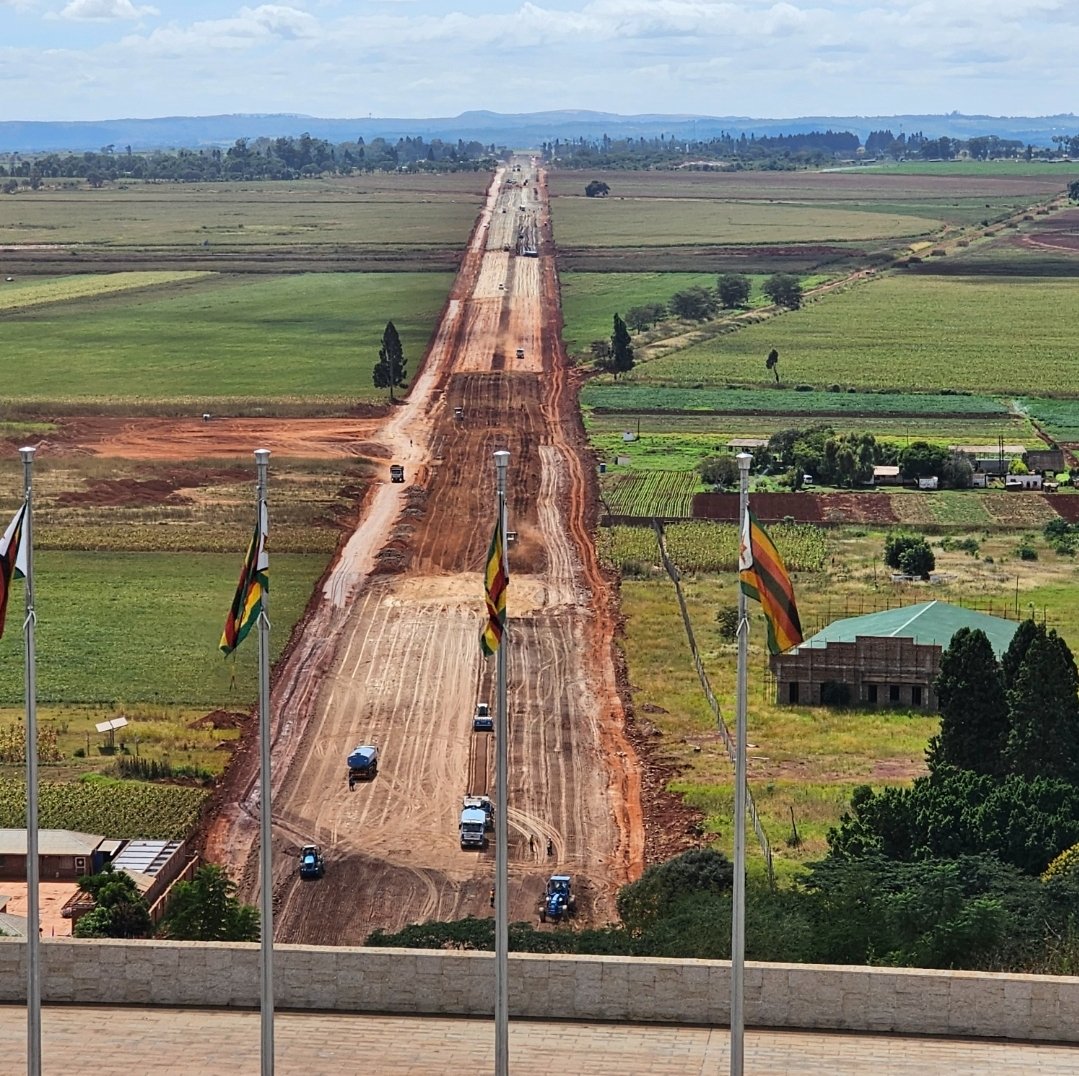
(738, 903)
(262, 458)
(33, 865)
(502, 1049)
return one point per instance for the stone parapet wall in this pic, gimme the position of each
(903, 1000)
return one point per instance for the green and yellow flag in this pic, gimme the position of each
(764, 578)
(495, 581)
(254, 583)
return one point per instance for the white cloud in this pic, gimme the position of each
(105, 10)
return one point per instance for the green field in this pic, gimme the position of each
(643, 222)
(590, 300)
(373, 211)
(649, 493)
(903, 334)
(143, 628)
(301, 338)
(1059, 418)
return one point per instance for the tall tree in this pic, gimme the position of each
(733, 290)
(1044, 712)
(772, 363)
(973, 707)
(621, 348)
(784, 289)
(206, 909)
(389, 371)
(1012, 659)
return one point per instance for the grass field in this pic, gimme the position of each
(143, 628)
(1059, 418)
(590, 300)
(629, 222)
(279, 338)
(903, 334)
(398, 211)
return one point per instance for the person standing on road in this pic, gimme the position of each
(550, 847)
(531, 844)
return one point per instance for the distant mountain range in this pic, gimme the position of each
(516, 131)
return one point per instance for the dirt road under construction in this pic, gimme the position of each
(390, 655)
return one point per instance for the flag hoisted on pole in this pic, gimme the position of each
(250, 606)
(12, 558)
(16, 553)
(496, 580)
(764, 578)
(252, 589)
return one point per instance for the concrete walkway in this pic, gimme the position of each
(110, 1040)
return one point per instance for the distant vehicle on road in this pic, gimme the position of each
(473, 828)
(482, 721)
(481, 803)
(312, 865)
(397, 472)
(520, 353)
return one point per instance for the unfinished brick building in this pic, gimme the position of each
(882, 659)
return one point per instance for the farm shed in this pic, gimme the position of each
(929, 482)
(882, 659)
(62, 853)
(886, 474)
(746, 444)
(1045, 461)
(1022, 481)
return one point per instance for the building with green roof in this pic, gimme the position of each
(890, 658)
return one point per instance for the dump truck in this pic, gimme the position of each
(362, 764)
(397, 472)
(481, 803)
(520, 353)
(482, 721)
(558, 901)
(473, 828)
(312, 865)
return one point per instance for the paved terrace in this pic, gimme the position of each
(200, 1042)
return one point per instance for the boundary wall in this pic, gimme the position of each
(617, 989)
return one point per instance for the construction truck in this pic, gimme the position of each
(397, 472)
(481, 803)
(312, 865)
(362, 764)
(473, 828)
(558, 901)
(482, 721)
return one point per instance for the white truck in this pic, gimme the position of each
(473, 828)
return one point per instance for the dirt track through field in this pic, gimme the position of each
(391, 654)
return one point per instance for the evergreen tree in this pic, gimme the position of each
(389, 371)
(1013, 657)
(973, 707)
(1044, 712)
(621, 348)
(206, 909)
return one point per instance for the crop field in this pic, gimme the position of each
(902, 334)
(310, 336)
(1059, 418)
(122, 809)
(707, 547)
(649, 493)
(32, 292)
(642, 222)
(399, 211)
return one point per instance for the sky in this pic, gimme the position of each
(112, 59)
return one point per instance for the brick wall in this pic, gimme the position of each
(1027, 1007)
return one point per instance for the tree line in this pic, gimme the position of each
(253, 159)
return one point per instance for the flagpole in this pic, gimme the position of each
(738, 902)
(262, 458)
(33, 864)
(502, 458)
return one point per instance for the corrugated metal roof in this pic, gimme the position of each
(14, 926)
(928, 623)
(50, 842)
(146, 857)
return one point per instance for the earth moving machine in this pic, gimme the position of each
(312, 865)
(397, 472)
(473, 828)
(558, 901)
(362, 764)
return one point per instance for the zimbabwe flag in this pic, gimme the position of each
(764, 579)
(12, 559)
(254, 583)
(495, 580)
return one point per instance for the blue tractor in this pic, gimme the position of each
(558, 900)
(312, 865)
